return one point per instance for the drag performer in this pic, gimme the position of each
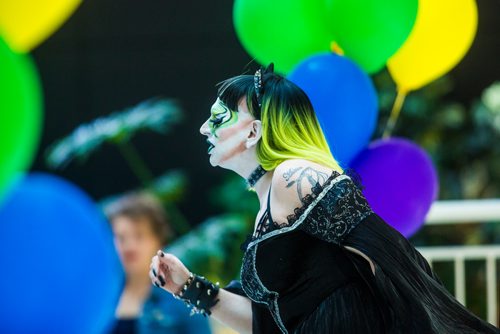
(319, 260)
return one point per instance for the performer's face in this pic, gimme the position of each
(226, 132)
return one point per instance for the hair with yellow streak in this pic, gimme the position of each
(290, 128)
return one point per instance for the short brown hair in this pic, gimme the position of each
(139, 205)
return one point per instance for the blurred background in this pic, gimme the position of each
(125, 86)
(111, 56)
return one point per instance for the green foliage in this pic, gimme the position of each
(157, 115)
(169, 187)
(462, 140)
(213, 248)
(233, 196)
(118, 129)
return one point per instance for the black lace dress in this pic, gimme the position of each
(301, 279)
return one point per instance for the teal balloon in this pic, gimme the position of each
(371, 31)
(282, 31)
(20, 114)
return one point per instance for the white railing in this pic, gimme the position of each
(466, 211)
(490, 254)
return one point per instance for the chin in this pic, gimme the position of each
(216, 163)
(213, 161)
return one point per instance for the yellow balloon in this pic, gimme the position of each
(26, 23)
(442, 34)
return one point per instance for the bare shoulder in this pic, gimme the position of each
(292, 181)
(297, 172)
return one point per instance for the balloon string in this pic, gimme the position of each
(396, 110)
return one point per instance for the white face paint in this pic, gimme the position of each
(226, 132)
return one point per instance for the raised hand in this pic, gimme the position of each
(168, 272)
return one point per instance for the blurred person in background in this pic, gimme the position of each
(140, 228)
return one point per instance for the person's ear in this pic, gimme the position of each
(255, 134)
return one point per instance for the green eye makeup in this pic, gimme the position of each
(221, 117)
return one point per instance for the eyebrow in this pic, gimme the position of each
(220, 105)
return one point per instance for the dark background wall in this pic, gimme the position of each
(113, 54)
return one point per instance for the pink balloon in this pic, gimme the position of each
(400, 182)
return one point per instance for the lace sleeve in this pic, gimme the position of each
(333, 210)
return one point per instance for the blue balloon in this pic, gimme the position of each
(59, 269)
(344, 99)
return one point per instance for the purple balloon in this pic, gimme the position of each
(400, 182)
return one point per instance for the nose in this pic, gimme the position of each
(204, 129)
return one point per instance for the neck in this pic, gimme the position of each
(138, 283)
(255, 176)
(246, 164)
(262, 188)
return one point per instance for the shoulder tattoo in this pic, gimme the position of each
(303, 179)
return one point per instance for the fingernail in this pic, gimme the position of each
(154, 272)
(162, 280)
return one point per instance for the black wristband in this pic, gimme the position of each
(200, 294)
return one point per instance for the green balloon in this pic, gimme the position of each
(284, 32)
(371, 31)
(20, 114)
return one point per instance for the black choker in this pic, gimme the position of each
(255, 176)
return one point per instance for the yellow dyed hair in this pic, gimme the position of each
(290, 128)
